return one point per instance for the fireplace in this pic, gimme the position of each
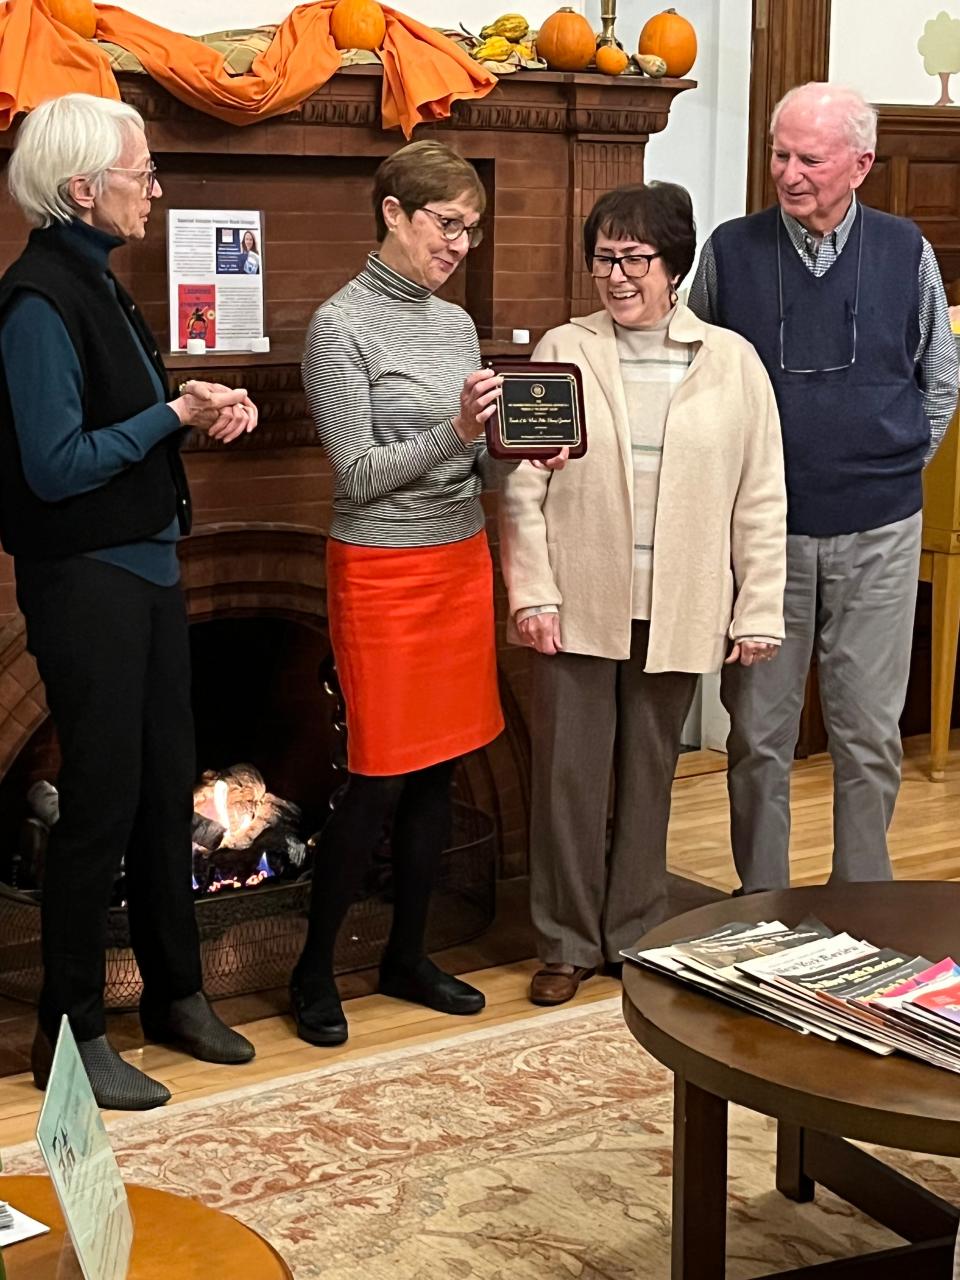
(264, 693)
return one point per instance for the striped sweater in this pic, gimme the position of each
(383, 368)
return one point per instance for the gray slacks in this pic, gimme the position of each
(591, 715)
(852, 599)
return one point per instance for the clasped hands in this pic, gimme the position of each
(478, 402)
(224, 413)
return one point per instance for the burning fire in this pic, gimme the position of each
(233, 829)
(242, 834)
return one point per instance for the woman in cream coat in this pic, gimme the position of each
(658, 556)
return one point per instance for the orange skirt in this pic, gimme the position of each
(413, 640)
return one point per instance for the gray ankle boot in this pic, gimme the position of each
(117, 1086)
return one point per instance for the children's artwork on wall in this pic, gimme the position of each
(900, 52)
(940, 47)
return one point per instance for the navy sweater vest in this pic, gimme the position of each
(143, 499)
(854, 438)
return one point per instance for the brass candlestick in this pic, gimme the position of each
(608, 17)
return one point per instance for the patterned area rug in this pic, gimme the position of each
(539, 1150)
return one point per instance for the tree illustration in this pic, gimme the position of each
(940, 46)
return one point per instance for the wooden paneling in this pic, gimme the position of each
(791, 45)
(921, 148)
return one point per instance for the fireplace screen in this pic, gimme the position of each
(252, 903)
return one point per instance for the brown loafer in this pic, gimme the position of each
(557, 983)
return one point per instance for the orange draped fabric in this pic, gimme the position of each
(423, 72)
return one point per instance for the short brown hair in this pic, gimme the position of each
(657, 213)
(421, 172)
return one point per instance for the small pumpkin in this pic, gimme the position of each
(672, 38)
(566, 41)
(358, 24)
(611, 60)
(79, 15)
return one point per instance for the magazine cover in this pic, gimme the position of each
(197, 313)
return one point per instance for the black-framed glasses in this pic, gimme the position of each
(633, 265)
(147, 176)
(453, 228)
(851, 314)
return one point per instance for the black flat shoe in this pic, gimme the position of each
(116, 1085)
(319, 1022)
(191, 1025)
(613, 969)
(425, 984)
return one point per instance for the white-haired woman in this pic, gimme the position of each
(92, 499)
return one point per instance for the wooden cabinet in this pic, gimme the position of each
(940, 565)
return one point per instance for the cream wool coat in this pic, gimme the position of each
(719, 548)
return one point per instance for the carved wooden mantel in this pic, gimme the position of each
(527, 102)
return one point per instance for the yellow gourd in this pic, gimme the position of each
(493, 49)
(512, 26)
(652, 65)
(358, 24)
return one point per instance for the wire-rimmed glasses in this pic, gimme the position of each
(147, 176)
(852, 314)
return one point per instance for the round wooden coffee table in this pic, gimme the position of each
(820, 1093)
(174, 1238)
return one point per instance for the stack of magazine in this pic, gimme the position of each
(825, 984)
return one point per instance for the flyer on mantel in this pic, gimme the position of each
(215, 269)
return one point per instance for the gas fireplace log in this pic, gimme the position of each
(206, 832)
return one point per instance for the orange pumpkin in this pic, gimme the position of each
(611, 60)
(566, 41)
(79, 15)
(671, 38)
(358, 24)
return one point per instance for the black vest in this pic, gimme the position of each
(140, 501)
(854, 439)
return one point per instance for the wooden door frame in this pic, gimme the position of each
(791, 45)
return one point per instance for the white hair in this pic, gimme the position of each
(78, 135)
(858, 118)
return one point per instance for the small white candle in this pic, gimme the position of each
(260, 344)
(196, 347)
(521, 335)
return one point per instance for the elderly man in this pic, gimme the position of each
(92, 498)
(846, 307)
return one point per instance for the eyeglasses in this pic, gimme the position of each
(633, 265)
(148, 176)
(851, 314)
(453, 228)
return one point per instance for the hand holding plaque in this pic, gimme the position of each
(540, 411)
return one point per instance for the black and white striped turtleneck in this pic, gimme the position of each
(383, 368)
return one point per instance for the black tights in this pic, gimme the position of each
(419, 804)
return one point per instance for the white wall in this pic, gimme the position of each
(196, 19)
(873, 46)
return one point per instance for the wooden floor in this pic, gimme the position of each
(925, 844)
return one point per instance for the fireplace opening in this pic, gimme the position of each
(270, 743)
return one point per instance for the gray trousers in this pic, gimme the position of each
(852, 598)
(591, 715)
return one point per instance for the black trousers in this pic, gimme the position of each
(113, 653)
